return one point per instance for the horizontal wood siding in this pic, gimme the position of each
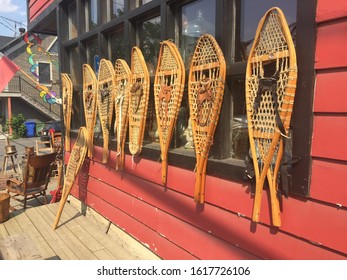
(329, 181)
(329, 150)
(221, 229)
(36, 7)
(330, 137)
(330, 94)
(331, 10)
(331, 45)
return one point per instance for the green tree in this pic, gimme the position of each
(17, 124)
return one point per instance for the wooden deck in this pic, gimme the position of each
(28, 235)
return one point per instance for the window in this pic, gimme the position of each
(72, 15)
(251, 12)
(233, 23)
(92, 15)
(142, 2)
(111, 9)
(116, 45)
(196, 18)
(92, 53)
(150, 42)
(73, 64)
(117, 8)
(149, 32)
(45, 76)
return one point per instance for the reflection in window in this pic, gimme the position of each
(239, 133)
(117, 8)
(197, 18)
(92, 14)
(150, 45)
(150, 42)
(72, 11)
(44, 73)
(74, 64)
(92, 52)
(142, 2)
(111, 9)
(116, 45)
(251, 13)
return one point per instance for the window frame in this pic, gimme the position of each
(220, 164)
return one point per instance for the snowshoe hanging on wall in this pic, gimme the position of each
(122, 84)
(105, 101)
(168, 92)
(205, 90)
(89, 101)
(270, 89)
(138, 101)
(67, 91)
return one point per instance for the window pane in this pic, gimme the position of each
(92, 51)
(251, 13)
(116, 45)
(197, 18)
(74, 64)
(239, 134)
(117, 8)
(44, 73)
(92, 14)
(72, 11)
(142, 2)
(150, 42)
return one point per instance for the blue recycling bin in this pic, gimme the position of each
(31, 129)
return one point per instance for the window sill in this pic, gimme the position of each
(231, 169)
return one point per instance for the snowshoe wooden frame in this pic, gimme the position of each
(105, 102)
(168, 92)
(77, 157)
(89, 101)
(138, 101)
(205, 90)
(122, 85)
(272, 57)
(67, 92)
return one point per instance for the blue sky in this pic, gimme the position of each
(15, 10)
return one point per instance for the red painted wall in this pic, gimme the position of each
(169, 222)
(36, 7)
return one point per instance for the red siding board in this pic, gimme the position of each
(229, 195)
(330, 94)
(330, 137)
(329, 181)
(235, 200)
(331, 45)
(328, 10)
(37, 7)
(197, 242)
(148, 237)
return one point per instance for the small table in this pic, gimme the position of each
(13, 162)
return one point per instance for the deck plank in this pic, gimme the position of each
(104, 254)
(82, 252)
(12, 226)
(27, 226)
(114, 246)
(19, 247)
(84, 235)
(3, 231)
(56, 242)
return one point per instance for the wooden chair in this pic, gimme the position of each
(35, 178)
